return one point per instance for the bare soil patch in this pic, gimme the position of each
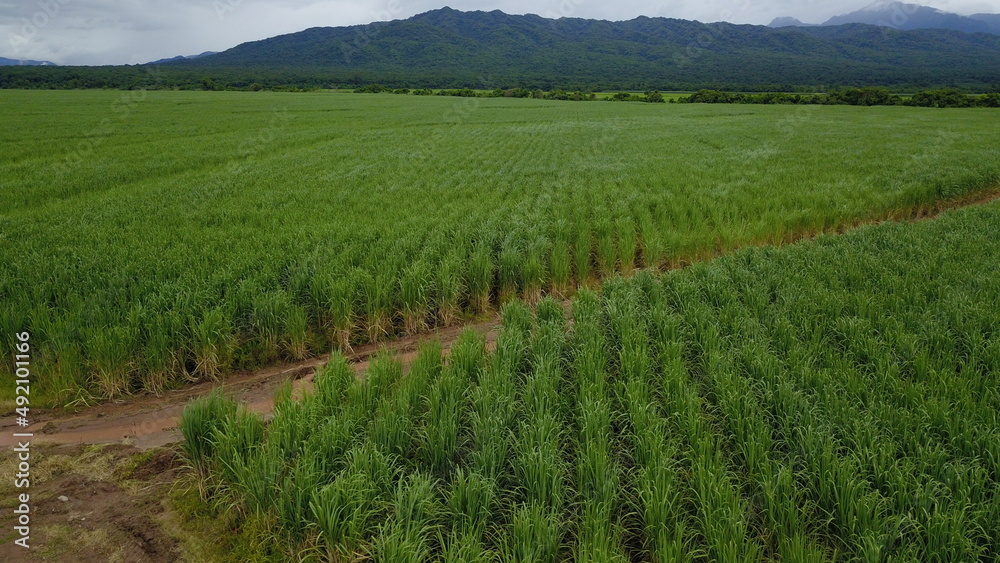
(96, 503)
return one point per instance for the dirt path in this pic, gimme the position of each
(148, 421)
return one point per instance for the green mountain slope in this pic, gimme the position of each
(487, 49)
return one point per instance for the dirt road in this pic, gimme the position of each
(148, 421)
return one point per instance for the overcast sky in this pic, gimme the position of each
(139, 31)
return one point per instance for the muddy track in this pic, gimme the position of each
(149, 421)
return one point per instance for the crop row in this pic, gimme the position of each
(834, 400)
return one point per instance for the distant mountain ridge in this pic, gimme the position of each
(21, 62)
(450, 48)
(993, 20)
(906, 17)
(790, 22)
(182, 58)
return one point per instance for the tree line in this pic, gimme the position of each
(941, 98)
(172, 77)
(872, 96)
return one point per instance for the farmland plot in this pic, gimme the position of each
(150, 238)
(833, 400)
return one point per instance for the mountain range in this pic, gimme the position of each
(21, 62)
(450, 48)
(447, 48)
(182, 58)
(902, 16)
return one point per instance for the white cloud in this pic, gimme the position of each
(137, 31)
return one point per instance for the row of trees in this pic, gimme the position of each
(944, 98)
(873, 96)
(470, 93)
(652, 97)
(524, 84)
(155, 78)
(577, 96)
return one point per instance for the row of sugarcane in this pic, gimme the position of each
(156, 333)
(831, 401)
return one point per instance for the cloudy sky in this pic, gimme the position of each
(139, 31)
